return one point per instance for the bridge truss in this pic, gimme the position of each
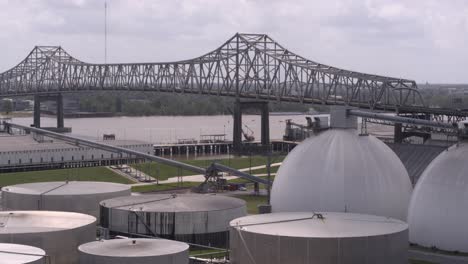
(246, 66)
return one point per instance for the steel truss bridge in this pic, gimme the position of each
(246, 66)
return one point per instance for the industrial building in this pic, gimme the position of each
(35, 152)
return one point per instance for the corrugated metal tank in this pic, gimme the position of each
(438, 212)
(58, 233)
(135, 251)
(340, 171)
(74, 196)
(304, 238)
(193, 218)
(21, 254)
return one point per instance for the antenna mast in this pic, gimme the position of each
(105, 32)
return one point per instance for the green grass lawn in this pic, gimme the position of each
(252, 201)
(76, 174)
(264, 170)
(164, 172)
(163, 187)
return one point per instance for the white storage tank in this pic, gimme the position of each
(74, 196)
(341, 171)
(58, 233)
(194, 218)
(21, 254)
(325, 238)
(135, 251)
(438, 212)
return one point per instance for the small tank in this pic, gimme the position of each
(21, 254)
(58, 233)
(193, 218)
(319, 238)
(74, 196)
(135, 251)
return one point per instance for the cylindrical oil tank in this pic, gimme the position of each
(21, 254)
(319, 238)
(194, 218)
(438, 212)
(58, 233)
(74, 196)
(342, 171)
(135, 251)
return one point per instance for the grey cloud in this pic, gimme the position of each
(393, 37)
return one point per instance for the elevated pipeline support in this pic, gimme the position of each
(403, 120)
(239, 107)
(214, 168)
(399, 121)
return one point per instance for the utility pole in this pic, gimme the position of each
(105, 32)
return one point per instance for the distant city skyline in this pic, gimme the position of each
(424, 40)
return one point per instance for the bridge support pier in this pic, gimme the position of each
(239, 106)
(58, 98)
(37, 111)
(398, 133)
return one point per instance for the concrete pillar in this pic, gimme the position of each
(398, 133)
(237, 133)
(60, 121)
(265, 125)
(37, 111)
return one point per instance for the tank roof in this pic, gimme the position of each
(134, 247)
(41, 221)
(174, 203)
(18, 254)
(306, 224)
(438, 214)
(341, 171)
(66, 188)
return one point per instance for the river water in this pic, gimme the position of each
(166, 129)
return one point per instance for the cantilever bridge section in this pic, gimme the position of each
(247, 65)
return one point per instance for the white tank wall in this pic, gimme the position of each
(21, 254)
(438, 212)
(185, 222)
(144, 251)
(340, 171)
(278, 246)
(58, 233)
(77, 198)
(194, 218)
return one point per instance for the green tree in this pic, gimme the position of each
(7, 106)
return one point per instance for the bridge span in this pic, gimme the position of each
(245, 66)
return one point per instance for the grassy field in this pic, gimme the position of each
(163, 187)
(76, 174)
(163, 172)
(252, 202)
(207, 253)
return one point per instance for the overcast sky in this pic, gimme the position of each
(424, 40)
